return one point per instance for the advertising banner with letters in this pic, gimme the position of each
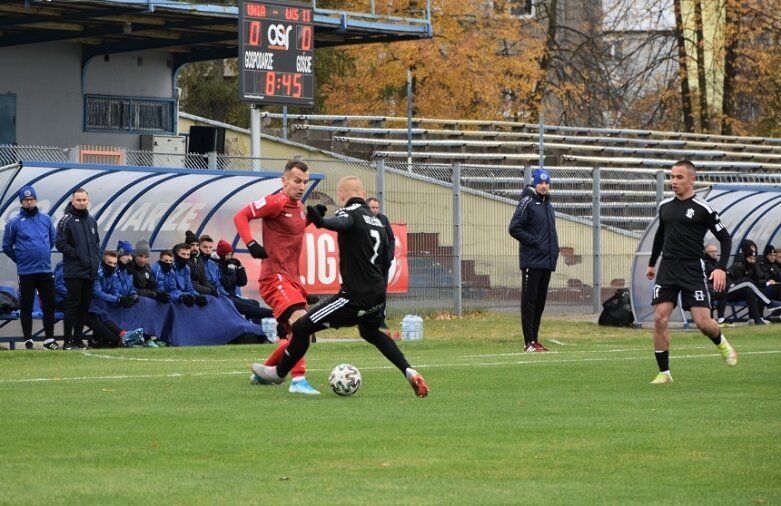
(161, 204)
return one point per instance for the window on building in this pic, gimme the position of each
(128, 114)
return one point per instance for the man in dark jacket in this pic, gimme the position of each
(533, 225)
(28, 240)
(144, 279)
(232, 277)
(197, 264)
(374, 205)
(767, 273)
(737, 289)
(78, 241)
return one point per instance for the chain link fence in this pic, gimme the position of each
(460, 257)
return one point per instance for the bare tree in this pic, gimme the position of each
(702, 86)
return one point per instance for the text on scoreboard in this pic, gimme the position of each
(276, 53)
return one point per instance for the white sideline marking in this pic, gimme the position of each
(374, 368)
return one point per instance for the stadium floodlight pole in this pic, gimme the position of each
(542, 136)
(409, 119)
(255, 136)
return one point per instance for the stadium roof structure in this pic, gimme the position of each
(192, 31)
(748, 211)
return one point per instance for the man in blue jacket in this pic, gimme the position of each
(533, 225)
(78, 240)
(28, 240)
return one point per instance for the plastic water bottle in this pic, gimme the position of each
(269, 326)
(418, 328)
(406, 328)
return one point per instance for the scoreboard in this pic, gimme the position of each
(276, 53)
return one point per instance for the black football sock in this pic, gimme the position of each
(663, 360)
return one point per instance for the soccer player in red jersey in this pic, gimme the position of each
(284, 220)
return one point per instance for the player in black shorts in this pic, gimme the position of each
(683, 222)
(363, 264)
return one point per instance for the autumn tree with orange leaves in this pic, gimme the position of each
(482, 63)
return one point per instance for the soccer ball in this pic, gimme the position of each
(345, 380)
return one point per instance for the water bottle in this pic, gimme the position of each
(406, 328)
(418, 328)
(269, 326)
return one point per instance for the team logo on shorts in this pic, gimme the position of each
(699, 295)
(690, 213)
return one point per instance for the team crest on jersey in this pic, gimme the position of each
(690, 213)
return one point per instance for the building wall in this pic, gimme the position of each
(47, 82)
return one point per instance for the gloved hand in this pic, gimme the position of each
(127, 301)
(256, 250)
(188, 300)
(134, 298)
(314, 216)
(321, 208)
(162, 297)
(201, 300)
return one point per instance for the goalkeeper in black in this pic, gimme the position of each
(363, 264)
(683, 222)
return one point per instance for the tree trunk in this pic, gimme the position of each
(701, 84)
(731, 27)
(683, 70)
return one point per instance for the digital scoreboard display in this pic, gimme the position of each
(276, 53)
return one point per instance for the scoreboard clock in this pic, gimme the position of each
(276, 53)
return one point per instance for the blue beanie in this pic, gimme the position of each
(26, 192)
(124, 248)
(540, 176)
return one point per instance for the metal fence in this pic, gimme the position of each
(460, 255)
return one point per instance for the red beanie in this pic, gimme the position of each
(223, 248)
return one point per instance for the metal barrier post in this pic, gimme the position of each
(457, 284)
(596, 230)
(659, 187)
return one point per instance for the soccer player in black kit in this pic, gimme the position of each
(683, 222)
(363, 264)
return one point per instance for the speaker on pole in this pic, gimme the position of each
(205, 139)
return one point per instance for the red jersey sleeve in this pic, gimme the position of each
(269, 206)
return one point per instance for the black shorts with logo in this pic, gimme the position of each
(685, 277)
(349, 310)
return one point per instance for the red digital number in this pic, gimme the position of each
(306, 38)
(287, 83)
(297, 88)
(271, 82)
(254, 33)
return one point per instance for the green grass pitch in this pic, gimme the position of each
(581, 425)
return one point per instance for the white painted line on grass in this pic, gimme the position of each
(529, 361)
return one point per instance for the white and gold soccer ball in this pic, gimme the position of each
(345, 380)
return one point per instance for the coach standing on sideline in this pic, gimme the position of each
(683, 222)
(28, 241)
(78, 240)
(533, 225)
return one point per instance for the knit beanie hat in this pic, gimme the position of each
(540, 176)
(27, 191)
(769, 249)
(190, 237)
(142, 248)
(223, 248)
(124, 248)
